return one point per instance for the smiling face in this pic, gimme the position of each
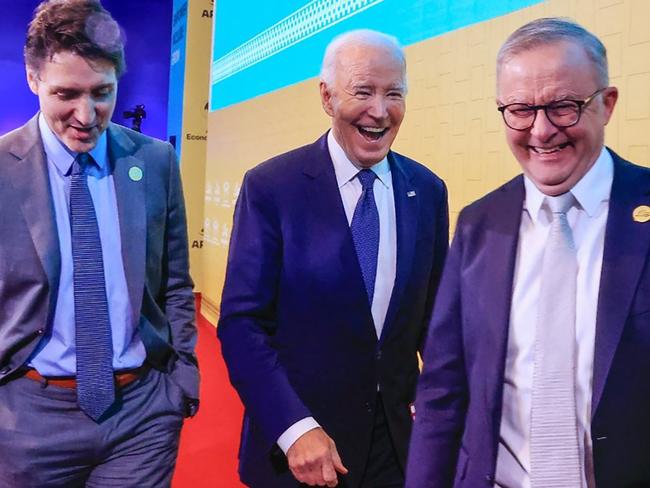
(366, 101)
(555, 159)
(76, 97)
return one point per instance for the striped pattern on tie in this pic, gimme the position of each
(554, 448)
(94, 348)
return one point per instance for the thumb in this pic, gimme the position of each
(336, 460)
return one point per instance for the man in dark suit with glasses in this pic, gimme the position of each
(536, 366)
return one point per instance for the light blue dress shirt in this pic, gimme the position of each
(55, 354)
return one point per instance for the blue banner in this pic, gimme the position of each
(282, 43)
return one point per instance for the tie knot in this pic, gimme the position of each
(81, 163)
(561, 203)
(367, 178)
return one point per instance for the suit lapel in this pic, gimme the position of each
(406, 218)
(624, 255)
(30, 179)
(131, 205)
(499, 252)
(326, 208)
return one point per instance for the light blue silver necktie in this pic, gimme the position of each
(94, 348)
(554, 448)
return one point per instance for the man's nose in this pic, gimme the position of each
(85, 111)
(378, 107)
(542, 127)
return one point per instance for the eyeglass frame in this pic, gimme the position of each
(582, 104)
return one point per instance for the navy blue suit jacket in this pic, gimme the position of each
(459, 399)
(296, 329)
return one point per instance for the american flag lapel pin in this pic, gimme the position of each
(410, 193)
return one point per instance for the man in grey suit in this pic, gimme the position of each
(97, 335)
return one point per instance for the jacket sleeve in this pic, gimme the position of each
(177, 285)
(248, 317)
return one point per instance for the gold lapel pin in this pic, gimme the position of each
(135, 173)
(641, 213)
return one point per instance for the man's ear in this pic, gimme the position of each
(326, 99)
(32, 80)
(609, 101)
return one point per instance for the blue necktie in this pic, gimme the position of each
(365, 231)
(94, 348)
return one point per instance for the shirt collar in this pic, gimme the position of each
(346, 170)
(592, 189)
(62, 157)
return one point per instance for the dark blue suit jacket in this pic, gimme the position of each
(296, 328)
(459, 400)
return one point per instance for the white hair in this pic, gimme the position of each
(360, 37)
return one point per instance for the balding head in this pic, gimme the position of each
(359, 39)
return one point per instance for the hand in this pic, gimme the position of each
(314, 460)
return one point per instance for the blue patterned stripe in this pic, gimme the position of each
(254, 54)
(300, 25)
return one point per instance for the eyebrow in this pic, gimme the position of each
(367, 86)
(73, 89)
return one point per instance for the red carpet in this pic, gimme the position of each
(209, 442)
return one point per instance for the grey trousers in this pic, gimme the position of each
(46, 441)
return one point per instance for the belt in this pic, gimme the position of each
(121, 378)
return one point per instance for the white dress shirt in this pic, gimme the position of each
(350, 189)
(587, 220)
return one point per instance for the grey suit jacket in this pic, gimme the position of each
(154, 250)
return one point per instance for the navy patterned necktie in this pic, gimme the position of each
(365, 231)
(94, 348)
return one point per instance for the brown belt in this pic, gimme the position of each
(121, 379)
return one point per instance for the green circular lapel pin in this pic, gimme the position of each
(135, 173)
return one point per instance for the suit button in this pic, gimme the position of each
(379, 355)
(40, 331)
(368, 407)
(489, 478)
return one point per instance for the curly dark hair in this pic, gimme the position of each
(83, 27)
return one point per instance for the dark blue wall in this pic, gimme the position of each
(147, 25)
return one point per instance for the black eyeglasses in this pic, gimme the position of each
(560, 113)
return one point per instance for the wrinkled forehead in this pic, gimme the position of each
(548, 57)
(560, 63)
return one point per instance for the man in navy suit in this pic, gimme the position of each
(97, 365)
(537, 361)
(336, 252)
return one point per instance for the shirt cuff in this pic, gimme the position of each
(291, 435)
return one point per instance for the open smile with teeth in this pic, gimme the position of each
(549, 150)
(373, 133)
